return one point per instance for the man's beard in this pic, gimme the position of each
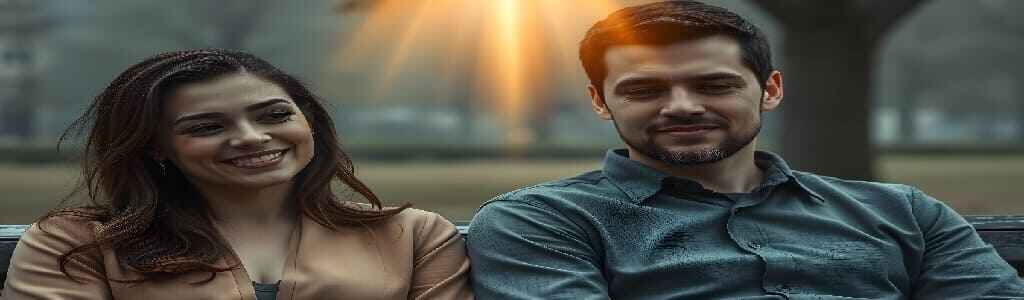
(723, 150)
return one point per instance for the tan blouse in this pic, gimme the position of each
(413, 255)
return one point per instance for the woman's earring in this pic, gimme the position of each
(163, 167)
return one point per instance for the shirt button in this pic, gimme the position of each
(754, 245)
(783, 288)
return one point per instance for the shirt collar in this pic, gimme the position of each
(777, 171)
(640, 182)
(637, 180)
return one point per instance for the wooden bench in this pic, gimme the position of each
(1005, 233)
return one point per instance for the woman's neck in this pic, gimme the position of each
(251, 207)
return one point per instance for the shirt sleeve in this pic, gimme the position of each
(35, 272)
(957, 263)
(524, 250)
(441, 268)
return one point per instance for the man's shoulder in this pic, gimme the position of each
(591, 182)
(563, 205)
(834, 188)
(812, 178)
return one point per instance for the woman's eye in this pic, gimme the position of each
(278, 116)
(203, 129)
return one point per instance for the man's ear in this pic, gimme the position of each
(772, 92)
(597, 103)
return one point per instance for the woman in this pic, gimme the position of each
(209, 174)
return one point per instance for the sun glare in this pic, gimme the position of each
(509, 46)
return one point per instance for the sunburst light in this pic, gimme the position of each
(511, 46)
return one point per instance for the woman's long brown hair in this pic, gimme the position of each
(152, 218)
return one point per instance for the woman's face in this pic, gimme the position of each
(237, 131)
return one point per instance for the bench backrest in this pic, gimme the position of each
(1005, 233)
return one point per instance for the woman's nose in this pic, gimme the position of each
(249, 136)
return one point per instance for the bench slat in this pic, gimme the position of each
(1005, 233)
(1011, 223)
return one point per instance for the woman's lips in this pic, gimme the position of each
(258, 160)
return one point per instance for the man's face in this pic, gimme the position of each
(686, 103)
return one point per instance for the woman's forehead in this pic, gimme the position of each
(225, 93)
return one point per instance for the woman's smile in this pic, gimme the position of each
(240, 131)
(258, 160)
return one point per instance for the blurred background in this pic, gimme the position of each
(447, 103)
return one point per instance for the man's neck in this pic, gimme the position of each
(737, 173)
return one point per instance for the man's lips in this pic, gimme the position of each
(687, 128)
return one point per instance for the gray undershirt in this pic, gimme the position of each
(266, 291)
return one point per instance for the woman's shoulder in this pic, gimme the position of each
(427, 230)
(419, 216)
(427, 222)
(414, 223)
(54, 236)
(38, 266)
(67, 228)
(408, 216)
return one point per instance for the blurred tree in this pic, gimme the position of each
(829, 50)
(95, 40)
(1003, 18)
(21, 25)
(217, 24)
(957, 61)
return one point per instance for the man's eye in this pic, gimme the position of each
(278, 116)
(645, 92)
(715, 89)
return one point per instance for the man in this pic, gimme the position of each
(691, 210)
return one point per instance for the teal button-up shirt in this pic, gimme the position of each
(631, 232)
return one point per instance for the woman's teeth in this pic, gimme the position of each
(256, 161)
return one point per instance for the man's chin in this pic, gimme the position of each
(689, 157)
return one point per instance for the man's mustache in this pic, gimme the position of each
(688, 121)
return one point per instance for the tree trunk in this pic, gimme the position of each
(826, 124)
(829, 50)
(1020, 110)
(19, 113)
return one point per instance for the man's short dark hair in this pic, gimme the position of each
(668, 22)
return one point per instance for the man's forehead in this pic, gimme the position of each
(709, 54)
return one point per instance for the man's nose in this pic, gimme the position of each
(683, 103)
(248, 135)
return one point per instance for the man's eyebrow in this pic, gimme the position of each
(712, 77)
(213, 115)
(639, 81)
(680, 78)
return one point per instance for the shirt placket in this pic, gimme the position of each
(746, 234)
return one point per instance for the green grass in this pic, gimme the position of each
(970, 184)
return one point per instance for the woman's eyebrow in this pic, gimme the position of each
(199, 116)
(214, 115)
(261, 105)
